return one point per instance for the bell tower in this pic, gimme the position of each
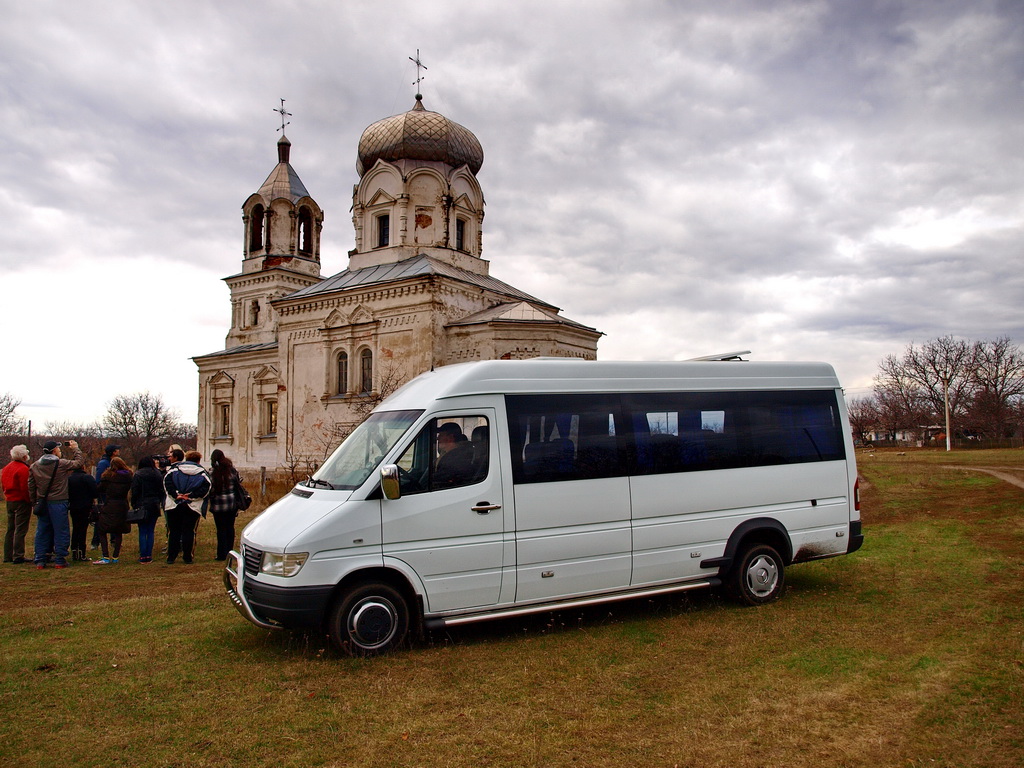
(280, 251)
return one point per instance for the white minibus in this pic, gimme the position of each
(499, 488)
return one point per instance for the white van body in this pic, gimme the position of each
(584, 482)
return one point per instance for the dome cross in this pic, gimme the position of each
(281, 111)
(419, 65)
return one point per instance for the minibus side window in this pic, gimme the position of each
(447, 453)
(565, 437)
(692, 431)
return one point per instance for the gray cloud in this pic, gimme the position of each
(808, 179)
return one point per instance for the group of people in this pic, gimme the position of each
(66, 500)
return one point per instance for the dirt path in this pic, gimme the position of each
(1011, 479)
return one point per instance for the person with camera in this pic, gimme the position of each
(48, 489)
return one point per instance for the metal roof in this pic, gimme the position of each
(284, 182)
(239, 350)
(417, 266)
(516, 312)
(419, 134)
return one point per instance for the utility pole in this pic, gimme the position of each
(945, 397)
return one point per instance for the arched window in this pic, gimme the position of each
(342, 373)
(257, 221)
(305, 231)
(365, 372)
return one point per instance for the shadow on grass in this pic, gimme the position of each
(631, 615)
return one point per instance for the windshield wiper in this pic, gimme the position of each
(313, 481)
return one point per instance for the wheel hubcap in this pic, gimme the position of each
(762, 576)
(372, 622)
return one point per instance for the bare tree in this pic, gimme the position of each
(939, 372)
(141, 421)
(943, 368)
(864, 417)
(976, 387)
(998, 378)
(10, 422)
(184, 433)
(899, 399)
(89, 437)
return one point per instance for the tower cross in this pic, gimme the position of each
(419, 65)
(281, 111)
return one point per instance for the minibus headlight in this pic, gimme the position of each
(280, 564)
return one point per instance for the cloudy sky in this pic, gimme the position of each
(806, 180)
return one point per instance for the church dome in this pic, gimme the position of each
(419, 134)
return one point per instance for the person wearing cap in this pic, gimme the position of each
(48, 479)
(104, 464)
(19, 505)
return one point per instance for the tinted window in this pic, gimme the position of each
(576, 437)
(564, 437)
(684, 432)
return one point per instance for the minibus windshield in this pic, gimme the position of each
(361, 452)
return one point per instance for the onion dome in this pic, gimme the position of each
(419, 134)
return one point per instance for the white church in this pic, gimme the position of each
(308, 356)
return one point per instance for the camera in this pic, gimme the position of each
(163, 461)
(67, 443)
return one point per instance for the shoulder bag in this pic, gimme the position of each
(136, 514)
(42, 506)
(242, 498)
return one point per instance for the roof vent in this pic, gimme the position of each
(721, 357)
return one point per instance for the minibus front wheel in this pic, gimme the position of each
(758, 576)
(369, 619)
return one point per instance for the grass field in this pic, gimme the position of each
(908, 653)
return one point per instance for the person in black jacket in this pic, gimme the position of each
(147, 492)
(81, 497)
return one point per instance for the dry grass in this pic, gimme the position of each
(908, 653)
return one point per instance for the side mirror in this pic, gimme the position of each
(389, 482)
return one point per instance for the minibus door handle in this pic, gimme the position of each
(483, 507)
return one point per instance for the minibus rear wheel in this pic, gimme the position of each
(368, 620)
(758, 576)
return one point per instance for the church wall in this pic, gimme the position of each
(517, 341)
(243, 383)
(426, 190)
(394, 325)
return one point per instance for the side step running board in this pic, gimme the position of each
(439, 622)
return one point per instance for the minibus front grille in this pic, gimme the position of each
(253, 558)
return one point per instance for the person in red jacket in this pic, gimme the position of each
(19, 507)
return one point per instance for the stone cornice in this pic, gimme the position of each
(274, 275)
(300, 305)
